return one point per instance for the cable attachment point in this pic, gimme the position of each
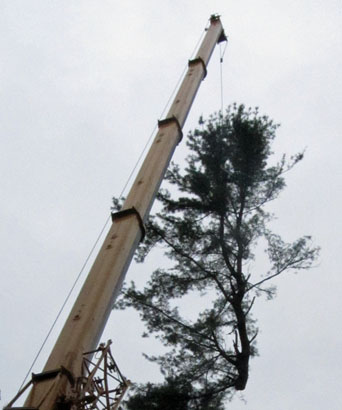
(131, 211)
(214, 17)
(222, 37)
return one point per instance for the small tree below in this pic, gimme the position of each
(210, 226)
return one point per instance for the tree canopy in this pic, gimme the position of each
(211, 219)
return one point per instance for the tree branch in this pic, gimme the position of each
(192, 260)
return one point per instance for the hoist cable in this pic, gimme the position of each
(107, 220)
(221, 81)
(221, 72)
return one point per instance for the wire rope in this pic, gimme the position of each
(65, 302)
(222, 53)
(107, 220)
(162, 113)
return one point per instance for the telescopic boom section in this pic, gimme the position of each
(85, 324)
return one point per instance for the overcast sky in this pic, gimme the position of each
(82, 86)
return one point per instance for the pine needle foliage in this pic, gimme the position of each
(209, 227)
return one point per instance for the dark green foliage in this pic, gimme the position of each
(209, 229)
(171, 395)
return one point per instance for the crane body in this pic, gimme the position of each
(54, 388)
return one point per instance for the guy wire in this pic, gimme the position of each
(221, 72)
(107, 220)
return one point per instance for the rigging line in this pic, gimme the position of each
(106, 223)
(221, 74)
(137, 162)
(221, 82)
(151, 135)
(76, 280)
(183, 72)
(162, 113)
(224, 50)
(91, 252)
(66, 300)
(199, 40)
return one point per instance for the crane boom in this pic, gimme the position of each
(85, 324)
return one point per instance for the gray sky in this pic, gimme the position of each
(82, 86)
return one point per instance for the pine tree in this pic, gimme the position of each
(210, 224)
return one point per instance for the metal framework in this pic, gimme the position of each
(102, 386)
